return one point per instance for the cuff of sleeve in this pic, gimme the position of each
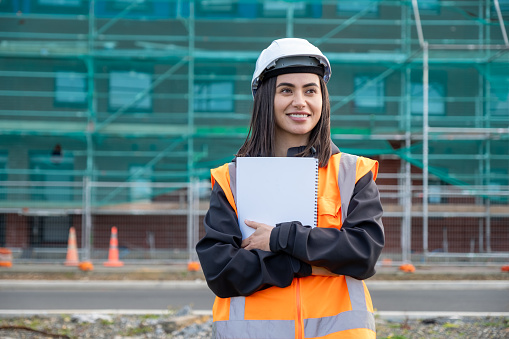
(273, 244)
(279, 236)
(304, 271)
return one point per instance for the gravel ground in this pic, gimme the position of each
(184, 325)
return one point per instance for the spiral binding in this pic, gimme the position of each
(316, 193)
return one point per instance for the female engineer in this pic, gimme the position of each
(290, 280)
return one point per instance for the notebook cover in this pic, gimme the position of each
(272, 190)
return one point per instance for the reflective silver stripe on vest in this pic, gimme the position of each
(232, 169)
(357, 295)
(236, 327)
(254, 329)
(346, 181)
(358, 317)
(237, 305)
(350, 320)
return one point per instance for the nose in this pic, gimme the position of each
(298, 100)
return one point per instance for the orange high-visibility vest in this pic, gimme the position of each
(313, 306)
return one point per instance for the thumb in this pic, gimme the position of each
(252, 224)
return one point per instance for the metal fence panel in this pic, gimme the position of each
(162, 222)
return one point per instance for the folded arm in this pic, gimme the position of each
(353, 250)
(231, 270)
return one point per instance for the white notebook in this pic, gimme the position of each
(273, 190)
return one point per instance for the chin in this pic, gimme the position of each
(301, 131)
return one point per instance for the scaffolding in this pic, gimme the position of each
(141, 93)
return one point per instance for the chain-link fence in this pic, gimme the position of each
(161, 222)
(458, 225)
(156, 222)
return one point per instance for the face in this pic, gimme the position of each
(297, 107)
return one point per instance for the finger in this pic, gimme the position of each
(248, 246)
(252, 224)
(245, 243)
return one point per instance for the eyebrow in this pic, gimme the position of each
(311, 84)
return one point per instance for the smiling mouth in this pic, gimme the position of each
(298, 115)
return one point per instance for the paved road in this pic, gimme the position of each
(479, 296)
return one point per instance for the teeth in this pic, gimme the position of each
(298, 115)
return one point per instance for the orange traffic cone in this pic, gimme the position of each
(86, 266)
(113, 253)
(72, 250)
(193, 266)
(408, 268)
(5, 257)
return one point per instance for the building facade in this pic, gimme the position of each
(113, 112)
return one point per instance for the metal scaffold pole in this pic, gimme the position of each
(425, 148)
(190, 138)
(289, 20)
(90, 127)
(406, 237)
(190, 220)
(406, 227)
(87, 218)
(425, 127)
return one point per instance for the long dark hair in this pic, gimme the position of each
(261, 138)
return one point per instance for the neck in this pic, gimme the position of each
(283, 144)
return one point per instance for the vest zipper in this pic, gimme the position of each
(300, 329)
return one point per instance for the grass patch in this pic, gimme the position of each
(67, 332)
(107, 322)
(451, 325)
(150, 316)
(139, 330)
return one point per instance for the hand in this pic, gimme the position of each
(260, 239)
(322, 271)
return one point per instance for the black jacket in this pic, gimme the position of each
(233, 271)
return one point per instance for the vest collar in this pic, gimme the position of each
(292, 151)
(296, 150)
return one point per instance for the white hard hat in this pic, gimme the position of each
(289, 52)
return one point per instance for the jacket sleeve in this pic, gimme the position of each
(353, 250)
(231, 270)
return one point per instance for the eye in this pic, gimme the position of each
(312, 91)
(285, 90)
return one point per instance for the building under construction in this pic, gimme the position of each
(112, 113)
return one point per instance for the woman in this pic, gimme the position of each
(291, 280)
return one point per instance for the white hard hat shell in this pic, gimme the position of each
(283, 48)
